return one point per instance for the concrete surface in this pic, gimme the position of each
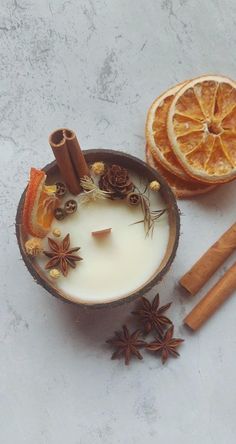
(95, 66)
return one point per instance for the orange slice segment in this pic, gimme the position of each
(156, 131)
(40, 202)
(181, 188)
(202, 128)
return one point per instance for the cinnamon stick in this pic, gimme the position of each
(58, 144)
(206, 266)
(213, 299)
(76, 155)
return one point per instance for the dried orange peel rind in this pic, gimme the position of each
(181, 188)
(202, 128)
(157, 135)
(40, 202)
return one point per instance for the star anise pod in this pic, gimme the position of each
(151, 315)
(127, 344)
(166, 345)
(61, 255)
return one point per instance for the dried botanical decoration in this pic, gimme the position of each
(39, 203)
(70, 206)
(60, 189)
(154, 185)
(92, 191)
(59, 213)
(62, 255)
(33, 247)
(150, 217)
(54, 273)
(56, 232)
(166, 345)
(133, 198)
(151, 315)
(98, 168)
(116, 181)
(127, 344)
(116, 184)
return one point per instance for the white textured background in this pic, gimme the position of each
(95, 66)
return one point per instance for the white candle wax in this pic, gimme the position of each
(117, 264)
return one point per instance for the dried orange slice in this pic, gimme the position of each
(40, 202)
(157, 136)
(202, 128)
(182, 189)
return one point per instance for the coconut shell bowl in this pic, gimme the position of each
(145, 175)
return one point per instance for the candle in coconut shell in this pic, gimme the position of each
(119, 256)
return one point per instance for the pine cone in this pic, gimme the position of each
(116, 180)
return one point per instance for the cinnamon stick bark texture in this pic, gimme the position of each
(76, 155)
(206, 266)
(213, 299)
(58, 142)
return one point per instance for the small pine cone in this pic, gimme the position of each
(116, 181)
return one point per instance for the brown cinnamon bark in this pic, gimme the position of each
(206, 266)
(76, 155)
(58, 144)
(213, 299)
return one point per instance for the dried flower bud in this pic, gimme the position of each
(56, 232)
(133, 198)
(70, 206)
(98, 168)
(54, 273)
(59, 213)
(33, 247)
(154, 185)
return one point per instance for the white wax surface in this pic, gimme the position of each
(119, 263)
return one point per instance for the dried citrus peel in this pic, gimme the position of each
(157, 136)
(181, 188)
(39, 204)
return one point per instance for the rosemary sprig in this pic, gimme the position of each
(149, 217)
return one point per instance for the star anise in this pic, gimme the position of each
(61, 255)
(152, 315)
(127, 344)
(166, 345)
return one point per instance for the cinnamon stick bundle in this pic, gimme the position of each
(69, 157)
(206, 266)
(213, 299)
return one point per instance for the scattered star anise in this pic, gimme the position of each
(166, 344)
(151, 315)
(127, 344)
(61, 255)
